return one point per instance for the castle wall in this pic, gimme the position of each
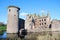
(21, 23)
(56, 25)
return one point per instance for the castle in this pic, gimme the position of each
(33, 22)
(37, 23)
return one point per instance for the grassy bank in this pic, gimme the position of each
(43, 36)
(2, 29)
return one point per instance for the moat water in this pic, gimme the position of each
(4, 35)
(37, 36)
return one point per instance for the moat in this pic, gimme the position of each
(38, 36)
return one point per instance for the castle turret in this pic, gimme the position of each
(43, 14)
(13, 15)
(48, 14)
(38, 15)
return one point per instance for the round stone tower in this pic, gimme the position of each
(12, 23)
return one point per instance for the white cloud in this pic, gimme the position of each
(42, 11)
(23, 14)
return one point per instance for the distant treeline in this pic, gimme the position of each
(2, 24)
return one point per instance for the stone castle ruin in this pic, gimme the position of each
(37, 23)
(33, 22)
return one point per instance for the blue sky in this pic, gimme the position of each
(31, 6)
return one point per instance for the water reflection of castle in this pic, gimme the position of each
(33, 22)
